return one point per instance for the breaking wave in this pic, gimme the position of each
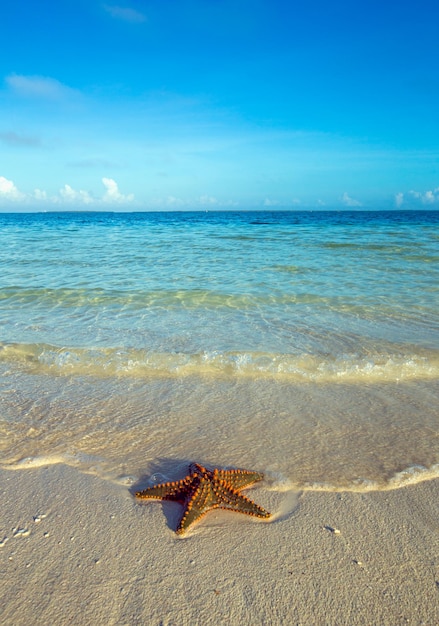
(41, 358)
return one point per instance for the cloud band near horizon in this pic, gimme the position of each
(10, 193)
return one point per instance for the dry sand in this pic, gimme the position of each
(76, 549)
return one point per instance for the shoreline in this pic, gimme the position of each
(78, 549)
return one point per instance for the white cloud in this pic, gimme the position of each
(112, 194)
(125, 13)
(269, 202)
(67, 195)
(42, 87)
(429, 197)
(416, 198)
(426, 197)
(399, 199)
(39, 194)
(208, 200)
(348, 201)
(8, 191)
(171, 201)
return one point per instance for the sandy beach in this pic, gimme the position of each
(76, 549)
(302, 345)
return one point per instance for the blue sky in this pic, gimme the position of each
(204, 104)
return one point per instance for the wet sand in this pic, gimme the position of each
(76, 549)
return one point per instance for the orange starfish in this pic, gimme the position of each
(203, 490)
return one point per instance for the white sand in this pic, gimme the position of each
(100, 557)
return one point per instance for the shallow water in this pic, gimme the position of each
(304, 345)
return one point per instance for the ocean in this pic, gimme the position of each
(301, 344)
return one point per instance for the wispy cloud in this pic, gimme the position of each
(93, 162)
(127, 14)
(175, 203)
(14, 139)
(67, 195)
(40, 87)
(350, 202)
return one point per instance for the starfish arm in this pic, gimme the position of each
(238, 478)
(176, 490)
(198, 503)
(234, 501)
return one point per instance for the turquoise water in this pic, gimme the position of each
(273, 339)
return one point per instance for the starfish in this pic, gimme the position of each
(203, 490)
